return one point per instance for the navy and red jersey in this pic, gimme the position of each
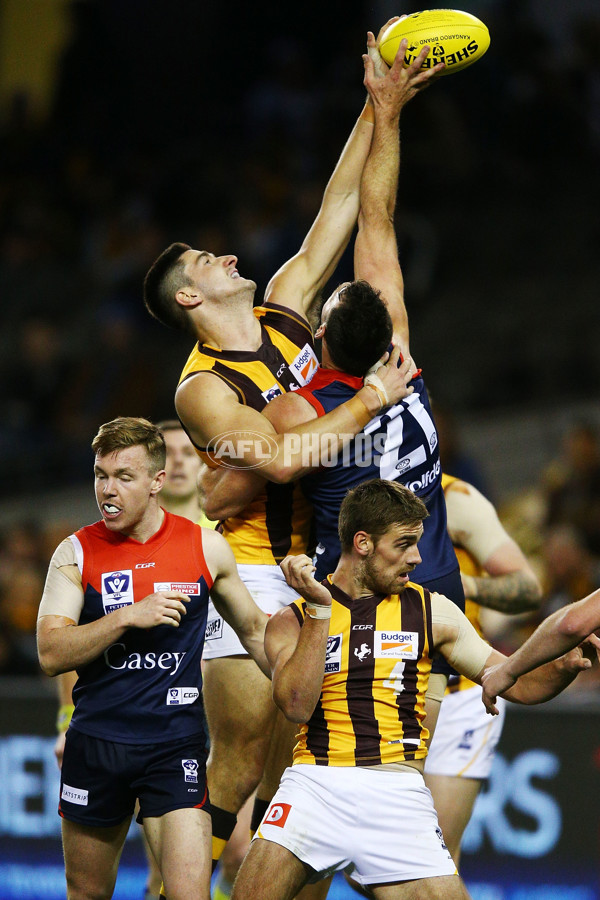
(399, 445)
(147, 686)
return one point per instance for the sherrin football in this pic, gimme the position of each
(456, 38)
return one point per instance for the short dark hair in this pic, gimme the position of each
(374, 506)
(127, 431)
(359, 329)
(163, 279)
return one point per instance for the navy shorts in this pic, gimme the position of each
(451, 586)
(101, 780)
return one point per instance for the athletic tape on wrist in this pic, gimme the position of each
(318, 611)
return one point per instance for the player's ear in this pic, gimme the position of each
(320, 330)
(363, 543)
(188, 297)
(157, 482)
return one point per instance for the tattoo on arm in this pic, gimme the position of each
(515, 592)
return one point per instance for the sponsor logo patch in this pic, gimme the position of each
(190, 770)
(74, 795)
(182, 696)
(273, 392)
(396, 644)
(364, 651)
(117, 590)
(192, 590)
(214, 629)
(333, 654)
(277, 814)
(305, 365)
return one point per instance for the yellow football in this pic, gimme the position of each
(456, 38)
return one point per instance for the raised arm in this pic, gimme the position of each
(376, 251)
(562, 631)
(232, 599)
(248, 440)
(297, 653)
(511, 585)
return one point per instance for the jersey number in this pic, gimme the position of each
(396, 679)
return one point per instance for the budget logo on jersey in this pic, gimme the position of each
(396, 644)
(190, 770)
(192, 590)
(117, 590)
(333, 654)
(277, 814)
(214, 629)
(182, 696)
(305, 365)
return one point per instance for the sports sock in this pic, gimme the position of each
(223, 823)
(259, 809)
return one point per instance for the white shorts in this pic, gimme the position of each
(465, 736)
(270, 592)
(382, 822)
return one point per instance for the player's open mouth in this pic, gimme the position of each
(110, 511)
(234, 274)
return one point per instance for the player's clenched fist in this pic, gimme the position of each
(298, 571)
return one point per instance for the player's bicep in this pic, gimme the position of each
(208, 408)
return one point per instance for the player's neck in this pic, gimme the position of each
(229, 328)
(149, 525)
(188, 507)
(348, 578)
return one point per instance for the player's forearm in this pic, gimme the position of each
(515, 592)
(298, 684)
(67, 647)
(253, 643)
(553, 637)
(226, 492)
(542, 683)
(379, 185)
(346, 177)
(309, 445)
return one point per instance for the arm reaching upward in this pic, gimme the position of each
(376, 251)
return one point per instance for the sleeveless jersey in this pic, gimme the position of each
(372, 704)
(147, 686)
(277, 522)
(469, 566)
(399, 445)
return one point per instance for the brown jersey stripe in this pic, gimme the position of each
(361, 673)
(296, 327)
(279, 510)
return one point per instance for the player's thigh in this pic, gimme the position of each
(270, 872)
(283, 739)
(238, 701)
(181, 843)
(442, 887)
(92, 858)
(453, 798)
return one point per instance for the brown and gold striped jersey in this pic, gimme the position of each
(372, 704)
(277, 522)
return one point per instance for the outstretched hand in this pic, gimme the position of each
(392, 90)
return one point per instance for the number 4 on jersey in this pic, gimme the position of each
(396, 679)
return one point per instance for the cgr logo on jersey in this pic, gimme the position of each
(214, 629)
(190, 770)
(192, 590)
(182, 696)
(333, 654)
(117, 590)
(305, 365)
(269, 395)
(396, 644)
(277, 814)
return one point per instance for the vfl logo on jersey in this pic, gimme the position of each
(117, 590)
(305, 365)
(182, 696)
(269, 395)
(74, 795)
(364, 651)
(214, 629)
(333, 654)
(396, 644)
(190, 770)
(277, 814)
(192, 590)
